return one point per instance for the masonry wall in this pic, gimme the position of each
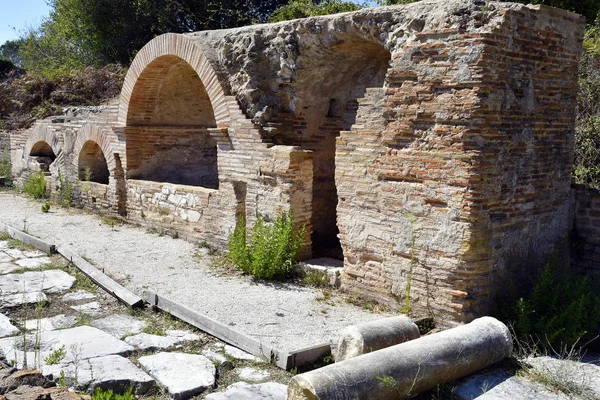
(435, 137)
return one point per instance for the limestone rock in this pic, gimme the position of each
(119, 325)
(109, 372)
(50, 281)
(183, 375)
(239, 354)
(16, 300)
(183, 336)
(33, 263)
(79, 344)
(145, 341)
(93, 308)
(6, 328)
(217, 358)
(49, 324)
(253, 374)
(245, 391)
(78, 295)
(27, 392)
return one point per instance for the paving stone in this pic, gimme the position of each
(33, 253)
(8, 267)
(245, 391)
(182, 375)
(50, 281)
(79, 343)
(239, 354)
(217, 358)
(33, 263)
(108, 372)
(79, 295)
(145, 341)
(5, 257)
(183, 336)
(94, 308)
(3, 244)
(6, 328)
(16, 300)
(120, 325)
(253, 374)
(49, 324)
(15, 253)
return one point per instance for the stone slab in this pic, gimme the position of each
(245, 391)
(145, 341)
(6, 328)
(119, 325)
(49, 324)
(239, 354)
(182, 375)
(184, 336)
(50, 281)
(79, 295)
(94, 308)
(18, 299)
(217, 358)
(253, 374)
(79, 343)
(8, 267)
(33, 263)
(4, 258)
(108, 372)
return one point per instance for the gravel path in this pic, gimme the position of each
(286, 316)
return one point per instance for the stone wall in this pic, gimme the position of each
(428, 145)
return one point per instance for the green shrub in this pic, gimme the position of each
(307, 8)
(563, 309)
(35, 186)
(101, 394)
(46, 207)
(65, 191)
(271, 250)
(6, 168)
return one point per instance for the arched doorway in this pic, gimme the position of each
(92, 164)
(42, 154)
(168, 118)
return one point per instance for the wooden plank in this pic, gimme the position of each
(28, 239)
(106, 283)
(219, 330)
(308, 356)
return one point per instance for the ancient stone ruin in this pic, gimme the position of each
(429, 146)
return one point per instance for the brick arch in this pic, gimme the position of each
(93, 133)
(41, 133)
(173, 48)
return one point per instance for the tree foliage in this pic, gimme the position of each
(307, 8)
(98, 32)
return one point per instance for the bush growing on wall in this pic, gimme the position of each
(271, 250)
(35, 185)
(563, 308)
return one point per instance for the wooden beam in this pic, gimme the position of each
(28, 239)
(106, 283)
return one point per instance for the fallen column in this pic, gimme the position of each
(356, 340)
(409, 368)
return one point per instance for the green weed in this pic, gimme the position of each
(102, 394)
(56, 356)
(35, 185)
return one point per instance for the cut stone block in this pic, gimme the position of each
(16, 300)
(79, 343)
(145, 341)
(245, 391)
(183, 336)
(33, 263)
(182, 375)
(93, 308)
(49, 324)
(217, 358)
(120, 325)
(109, 372)
(50, 281)
(253, 374)
(239, 354)
(6, 328)
(79, 295)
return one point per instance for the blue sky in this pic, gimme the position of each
(20, 14)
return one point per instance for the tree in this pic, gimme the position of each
(307, 8)
(10, 51)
